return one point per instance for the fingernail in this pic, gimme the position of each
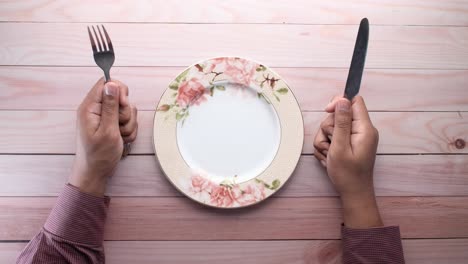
(343, 106)
(329, 103)
(110, 90)
(325, 152)
(324, 164)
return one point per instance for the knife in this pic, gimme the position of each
(356, 69)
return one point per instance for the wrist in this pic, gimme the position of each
(94, 188)
(361, 210)
(87, 181)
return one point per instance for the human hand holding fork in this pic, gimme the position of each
(106, 123)
(104, 57)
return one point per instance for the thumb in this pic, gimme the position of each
(110, 106)
(343, 122)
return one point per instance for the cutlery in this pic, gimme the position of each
(356, 69)
(103, 54)
(104, 57)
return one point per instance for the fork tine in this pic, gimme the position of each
(109, 42)
(102, 40)
(97, 39)
(93, 44)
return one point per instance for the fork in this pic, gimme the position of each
(103, 55)
(104, 58)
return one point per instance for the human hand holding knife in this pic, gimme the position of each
(346, 145)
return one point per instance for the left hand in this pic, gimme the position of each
(105, 120)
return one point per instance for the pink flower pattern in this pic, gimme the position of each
(241, 71)
(198, 83)
(191, 92)
(200, 184)
(253, 194)
(217, 64)
(226, 195)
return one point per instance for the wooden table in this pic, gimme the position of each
(415, 85)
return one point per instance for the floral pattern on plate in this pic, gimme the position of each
(228, 193)
(193, 86)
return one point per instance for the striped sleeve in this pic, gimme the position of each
(73, 232)
(374, 245)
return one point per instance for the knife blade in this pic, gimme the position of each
(353, 83)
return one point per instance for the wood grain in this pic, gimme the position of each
(10, 251)
(407, 132)
(432, 175)
(417, 62)
(274, 45)
(276, 218)
(428, 251)
(400, 132)
(62, 88)
(413, 12)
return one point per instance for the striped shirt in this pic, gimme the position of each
(73, 233)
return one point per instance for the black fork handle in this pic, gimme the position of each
(107, 76)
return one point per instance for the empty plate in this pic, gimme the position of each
(228, 132)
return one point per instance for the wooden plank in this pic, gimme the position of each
(276, 218)
(428, 175)
(414, 12)
(63, 88)
(407, 132)
(10, 251)
(274, 45)
(435, 251)
(428, 251)
(400, 132)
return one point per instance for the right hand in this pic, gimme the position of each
(105, 121)
(346, 145)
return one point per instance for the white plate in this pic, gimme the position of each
(228, 132)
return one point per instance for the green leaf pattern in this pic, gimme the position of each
(273, 186)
